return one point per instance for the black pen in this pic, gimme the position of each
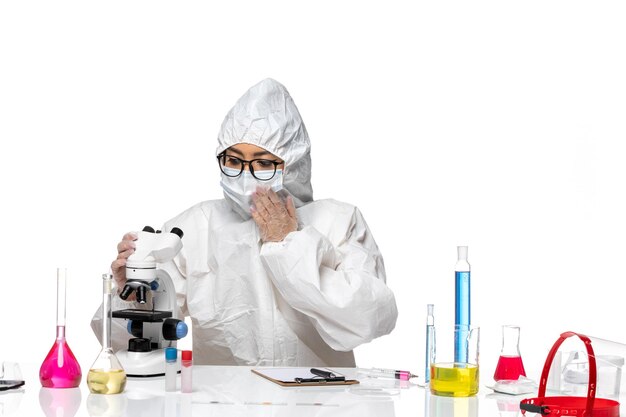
(320, 380)
(322, 373)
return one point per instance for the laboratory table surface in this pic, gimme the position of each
(236, 391)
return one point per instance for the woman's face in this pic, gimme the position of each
(264, 163)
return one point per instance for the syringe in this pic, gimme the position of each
(386, 373)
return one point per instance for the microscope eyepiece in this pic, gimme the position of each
(177, 232)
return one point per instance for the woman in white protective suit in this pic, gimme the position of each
(269, 276)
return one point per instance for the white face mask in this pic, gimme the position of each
(239, 189)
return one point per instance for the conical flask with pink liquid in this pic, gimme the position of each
(60, 369)
(510, 366)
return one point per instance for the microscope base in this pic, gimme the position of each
(144, 364)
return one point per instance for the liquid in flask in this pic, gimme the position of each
(510, 366)
(60, 369)
(106, 375)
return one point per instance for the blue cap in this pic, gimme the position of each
(171, 354)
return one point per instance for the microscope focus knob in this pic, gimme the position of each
(177, 232)
(174, 329)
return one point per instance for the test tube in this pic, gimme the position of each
(430, 340)
(171, 357)
(185, 372)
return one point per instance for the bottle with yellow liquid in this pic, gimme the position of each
(106, 375)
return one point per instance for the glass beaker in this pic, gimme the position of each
(510, 366)
(60, 369)
(106, 375)
(455, 379)
(11, 388)
(10, 377)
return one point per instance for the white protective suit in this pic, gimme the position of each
(306, 301)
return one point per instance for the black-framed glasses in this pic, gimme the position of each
(261, 169)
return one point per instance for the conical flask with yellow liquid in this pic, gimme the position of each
(106, 375)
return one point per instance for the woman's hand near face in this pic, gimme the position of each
(275, 218)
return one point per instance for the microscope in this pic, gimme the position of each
(157, 326)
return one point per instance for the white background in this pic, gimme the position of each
(498, 125)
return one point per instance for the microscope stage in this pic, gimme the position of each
(142, 315)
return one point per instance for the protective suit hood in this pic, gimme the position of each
(266, 116)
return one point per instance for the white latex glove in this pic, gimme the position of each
(275, 218)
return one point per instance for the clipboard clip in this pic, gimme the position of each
(320, 380)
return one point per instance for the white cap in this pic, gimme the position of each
(462, 252)
(430, 308)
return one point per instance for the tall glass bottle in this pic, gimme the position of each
(60, 369)
(106, 375)
(462, 309)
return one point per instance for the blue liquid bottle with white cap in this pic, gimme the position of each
(171, 368)
(461, 304)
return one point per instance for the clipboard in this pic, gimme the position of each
(287, 377)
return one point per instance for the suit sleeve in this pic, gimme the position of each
(341, 287)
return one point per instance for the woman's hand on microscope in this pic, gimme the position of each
(124, 249)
